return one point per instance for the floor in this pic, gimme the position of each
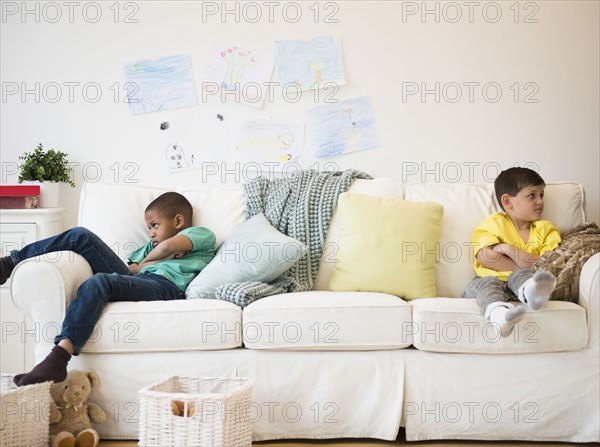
(377, 443)
(372, 443)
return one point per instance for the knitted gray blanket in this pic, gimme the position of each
(300, 206)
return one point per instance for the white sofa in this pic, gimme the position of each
(340, 364)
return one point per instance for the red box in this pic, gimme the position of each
(19, 196)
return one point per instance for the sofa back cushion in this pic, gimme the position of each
(116, 212)
(465, 205)
(564, 204)
(219, 209)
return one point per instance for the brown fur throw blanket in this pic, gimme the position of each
(566, 261)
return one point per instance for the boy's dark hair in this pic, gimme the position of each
(513, 180)
(170, 204)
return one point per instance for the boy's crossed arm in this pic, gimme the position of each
(174, 247)
(505, 257)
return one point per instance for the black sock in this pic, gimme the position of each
(53, 367)
(6, 267)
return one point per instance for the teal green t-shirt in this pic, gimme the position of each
(182, 270)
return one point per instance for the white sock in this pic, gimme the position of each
(504, 316)
(536, 290)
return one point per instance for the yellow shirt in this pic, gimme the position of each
(498, 228)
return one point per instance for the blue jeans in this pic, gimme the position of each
(112, 281)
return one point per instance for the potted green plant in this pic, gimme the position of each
(49, 168)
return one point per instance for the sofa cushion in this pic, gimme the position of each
(219, 209)
(102, 203)
(387, 245)
(456, 325)
(178, 325)
(465, 205)
(564, 204)
(319, 321)
(255, 251)
(379, 187)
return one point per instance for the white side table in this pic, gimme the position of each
(17, 229)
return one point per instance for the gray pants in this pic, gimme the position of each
(488, 289)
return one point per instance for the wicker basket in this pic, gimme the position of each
(24, 414)
(215, 412)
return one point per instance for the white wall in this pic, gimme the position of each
(388, 47)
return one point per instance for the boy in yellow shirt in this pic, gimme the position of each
(507, 245)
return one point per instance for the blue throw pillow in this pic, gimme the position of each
(255, 251)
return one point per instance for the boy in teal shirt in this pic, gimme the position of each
(160, 270)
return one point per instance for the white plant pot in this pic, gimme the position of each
(49, 193)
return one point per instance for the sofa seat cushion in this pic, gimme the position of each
(320, 321)
(180, 325)
(456, 325)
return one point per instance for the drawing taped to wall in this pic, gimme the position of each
(310, 63)
(176, 157)
(198, 138)
(236, 74)
(269, 143)
(160, 84)
(341, 128)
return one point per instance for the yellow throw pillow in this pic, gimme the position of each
(386, 245)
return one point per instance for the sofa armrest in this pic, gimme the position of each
(589, 297)
(44, 286)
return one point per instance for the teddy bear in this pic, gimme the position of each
(71, 415)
